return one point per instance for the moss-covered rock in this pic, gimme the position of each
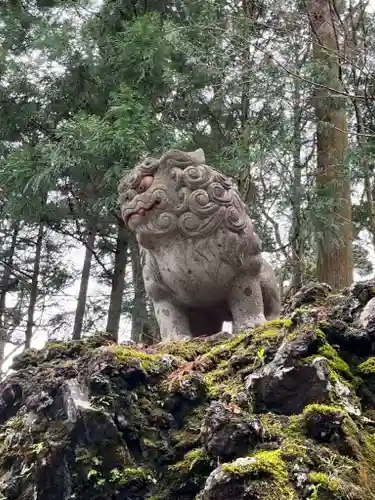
(227, 432)
(264, 475)
(279, 412)
(367, 367)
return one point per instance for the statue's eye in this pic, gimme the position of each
(145, 183)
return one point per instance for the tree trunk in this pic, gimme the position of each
(118, 281)
(34, 287)
(334, 235)
(154, 325)
(368, 175)
(85, 276)
(142, 331)
(4, 284)
(297, 244)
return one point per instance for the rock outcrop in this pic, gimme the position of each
(284, 411)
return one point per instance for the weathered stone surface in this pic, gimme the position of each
(287, 389)
(352, 301)
(228, 433)
(295, 378)
(202, 262)
(309, 295)
(351, 339)
(285, 410)
(367, 318)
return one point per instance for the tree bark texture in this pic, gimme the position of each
(366, 167)
(142, 325)
(297, 243)
(334, 235)
(34, 287)
(85, 276)
(4, 285)
(118, 281)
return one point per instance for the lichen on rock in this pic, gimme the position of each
(283, 411)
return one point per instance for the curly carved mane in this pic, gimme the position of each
(206, 199)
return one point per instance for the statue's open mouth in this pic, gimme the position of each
(142, 211)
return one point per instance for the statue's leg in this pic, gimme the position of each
(246, 303)
(270, 291)
(271, 300)
(172, 320)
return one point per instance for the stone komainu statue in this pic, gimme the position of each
(201, 258)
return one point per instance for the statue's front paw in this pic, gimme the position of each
(249, 323)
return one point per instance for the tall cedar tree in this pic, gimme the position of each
(4, 286)
(118, 280)
(85, 276)
(334, 236)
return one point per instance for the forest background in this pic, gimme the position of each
(281, 96)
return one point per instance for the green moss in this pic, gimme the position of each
(269, 329)
(295, 426)
(278, 323)
(221, 380)
(271, 425)
(293, 447)
(270, 332)
(275, 329)
(186, 349)
(320, 409)
(323, 482)
(295, 431)
(269, 462)
(247, 343)
(322, 479)
(265, 463)
(148, 362)
(320, 335)
(367, 367)
(54, 344)
(225, 348)
(288, 430)
(191, 459)
(349, 432)
(339, 367)
(16, 423)
(214, 363)
(189, 474)
(335, 362)
(124, 476)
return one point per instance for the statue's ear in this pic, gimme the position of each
(198, 155)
